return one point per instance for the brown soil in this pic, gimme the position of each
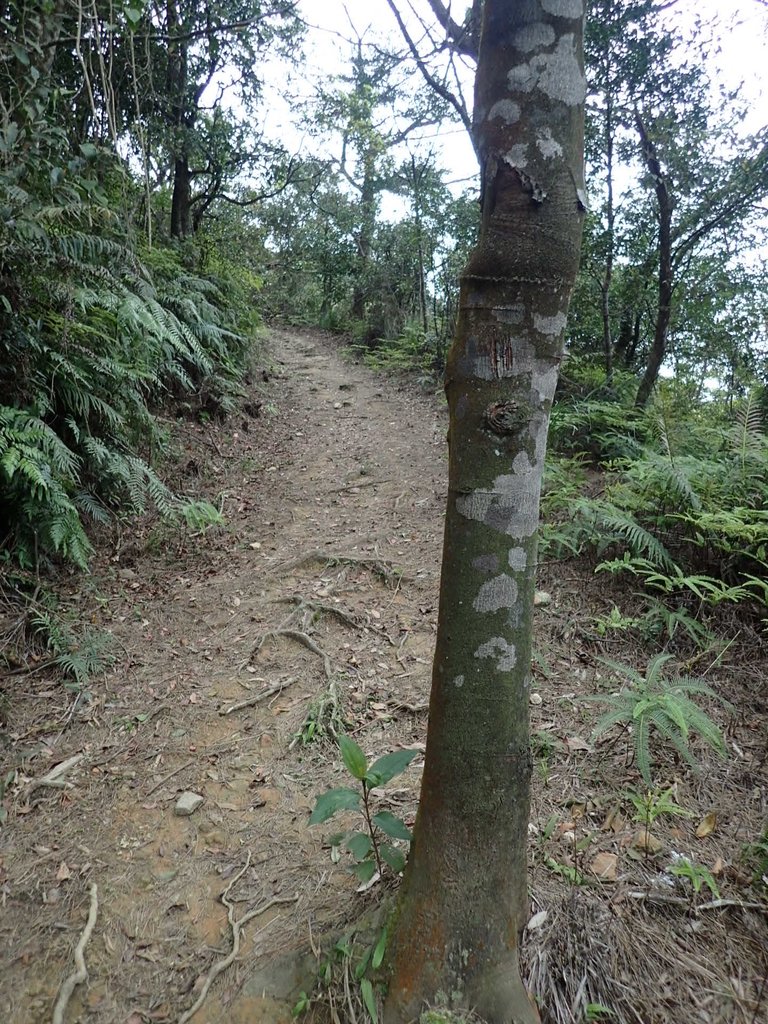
(325, 580)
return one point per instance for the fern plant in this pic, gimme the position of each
(651, 705)
(80, 655)
(92, 336)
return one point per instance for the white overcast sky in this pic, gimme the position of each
(742, 35)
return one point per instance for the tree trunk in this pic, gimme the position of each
(365, 239)
(665, 286)
(181, 203)
(464, 898)
(177, 75)
(610, 217)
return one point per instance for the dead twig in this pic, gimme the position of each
(648, 896)
(53, 779)
(168, 777)
(269, 692)
(236, 926)
(359, 483)
(81, 973)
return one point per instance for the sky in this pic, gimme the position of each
(334, 22)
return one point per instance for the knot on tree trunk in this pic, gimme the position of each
(503, 418)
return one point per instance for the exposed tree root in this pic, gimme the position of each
(317, 608)
(54, 778)
(237, 927)
(81, 973)
(380, 566)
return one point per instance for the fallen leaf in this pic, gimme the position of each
(719, 867)
(646, 842)
(614, 821)
(577, 743)
(605, 866)
(707, 825)
(537, 920)
(371, 882)
(63, 873)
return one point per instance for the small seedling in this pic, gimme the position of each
(567, 871)
(615, 621)
(697, 874)
(368, 851)
(653, 803)
(302, 1004)
(343, 965)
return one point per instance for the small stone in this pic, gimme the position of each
(541, 598)
(187, 804)
(126, 574)
(536, 699)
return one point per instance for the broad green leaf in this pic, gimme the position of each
(362, 964)
(381, 948)
(359, 845)
(354, 758)
(388, 766)
(88, 150)
(366, 988)
(393, 857)
(365, 870)
(392, 826)
(334, 800)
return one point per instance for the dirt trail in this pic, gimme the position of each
(347, 470)
(323, 586)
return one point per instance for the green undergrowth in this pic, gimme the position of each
(671, 500)
(97, 331)
(414, 350)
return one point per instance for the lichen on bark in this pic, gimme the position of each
(464, 898)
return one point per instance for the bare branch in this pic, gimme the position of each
(442, 90)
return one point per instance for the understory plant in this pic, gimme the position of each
(653, 706)
(95, 334)
(675, 497)
(698, 875)
(369, 849)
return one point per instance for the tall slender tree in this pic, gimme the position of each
(464, 899)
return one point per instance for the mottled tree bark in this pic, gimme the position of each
(464, 898)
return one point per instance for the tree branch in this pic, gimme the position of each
(463, 38)
(442, 90)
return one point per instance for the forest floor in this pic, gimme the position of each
(319, 596)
